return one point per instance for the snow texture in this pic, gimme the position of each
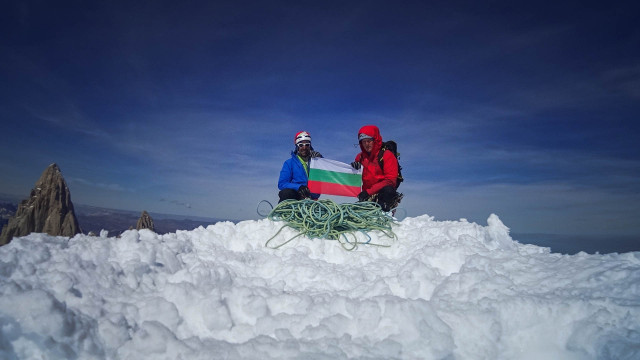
(443, 290)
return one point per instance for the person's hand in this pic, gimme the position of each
(304, 192)
(355, 165)
(363, 196)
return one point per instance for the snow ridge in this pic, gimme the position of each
(444, 289)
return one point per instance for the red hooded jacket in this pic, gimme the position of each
(374, 177)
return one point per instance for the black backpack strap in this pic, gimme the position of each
(381, 154)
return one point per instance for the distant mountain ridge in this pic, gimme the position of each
(94, 219)
(115, 221)
(7, 210)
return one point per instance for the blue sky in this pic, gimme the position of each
(529, 111)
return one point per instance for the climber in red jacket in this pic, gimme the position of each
(379, 173)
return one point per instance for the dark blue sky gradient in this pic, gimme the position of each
(529, 111)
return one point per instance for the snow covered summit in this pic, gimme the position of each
(443, 290)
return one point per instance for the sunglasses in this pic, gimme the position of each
(303, 145)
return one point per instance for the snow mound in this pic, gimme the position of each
(442, 290)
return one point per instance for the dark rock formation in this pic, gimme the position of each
(145, 222)
(48, 209)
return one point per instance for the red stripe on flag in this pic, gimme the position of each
(326, 188)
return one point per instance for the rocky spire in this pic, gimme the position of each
(48, 209)
(145, 222)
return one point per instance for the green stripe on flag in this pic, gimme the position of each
(336, 177)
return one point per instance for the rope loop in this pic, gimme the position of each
(325, 219)
(262, 209)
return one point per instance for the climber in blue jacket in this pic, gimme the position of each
(294, 176)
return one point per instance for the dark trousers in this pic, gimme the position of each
(388, 198)
(287, 194)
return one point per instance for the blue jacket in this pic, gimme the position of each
(293, 175)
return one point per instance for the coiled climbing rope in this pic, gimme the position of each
(326, 219)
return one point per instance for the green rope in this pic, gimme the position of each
(325, 219)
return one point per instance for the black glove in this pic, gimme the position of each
(355, 165)
(363, 196)
(304, 192)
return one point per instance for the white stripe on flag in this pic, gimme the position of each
(333, 165)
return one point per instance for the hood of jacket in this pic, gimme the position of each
(374, 132)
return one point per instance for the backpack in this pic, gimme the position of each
(393, 147)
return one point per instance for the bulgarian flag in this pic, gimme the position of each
(332, 177)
